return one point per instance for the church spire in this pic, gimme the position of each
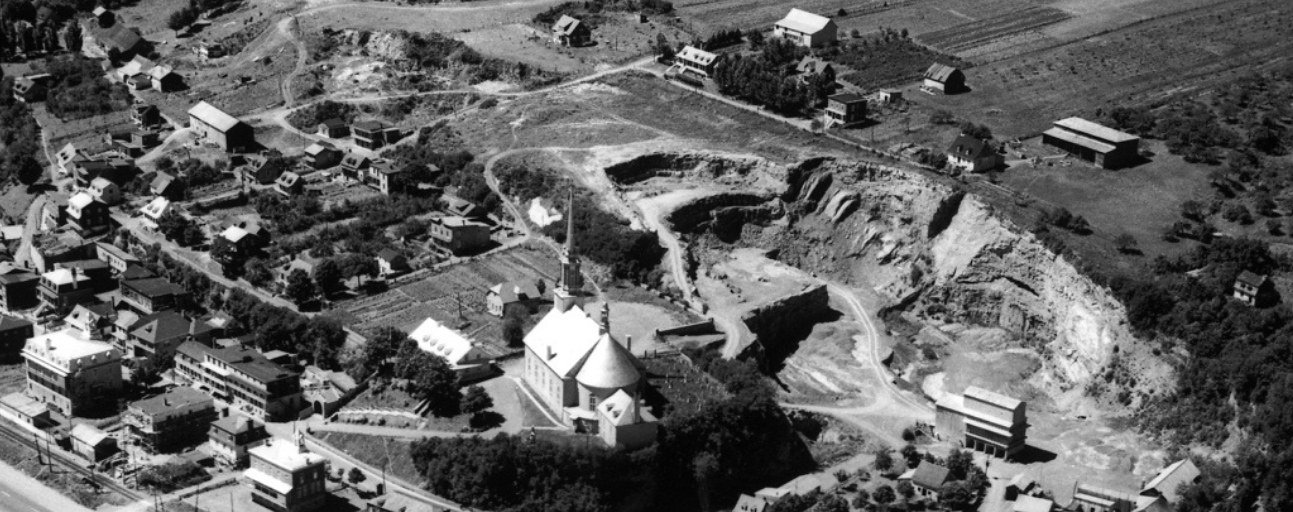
(571, 280)
(570, 224)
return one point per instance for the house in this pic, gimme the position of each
(105, 191)
(116, 38)
(134, 67)
(810, 68)
(103, 17)
(260, 170)
(464, 357)
(502, 295)
(18, 288)
(224, 130)
(327, 391)
(289, 184)
(91, 443)
(286, 477)
(571, 32)
(983, 420)
(232, 436)
(845, 109)
(322, 155)
(889, 96)
(1167, 483)
(354, 166)
(929, 479)
(69, 155)
(165, 186)
(159, 334)
(152, 294)
(63, 288)
(143, 114)
(154, 210)
(1020, 485)
(116, 258)
(29, 90)
(86, 215)
(98, 272)
(73, 374)
(244, 243)
(139, 82)
(1032, 504)
(303, 262)
(333, 129)
(14, 333)
(459, 235)
(943, 79)
(370, 134)
(92, 318)
(391, 261)
(133, 143)
(165, 79)
(748, 503)
(208, 51)
(462, 207)
(806, 29)
(623, 423)
(171, 421)
(49, 249)
(117, 170)
(245, 378)
(385, 176)
(696, 60)
(1105, 147)
(972, 155)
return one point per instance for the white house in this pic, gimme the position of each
(972, 155)
(105, 191)
(466, 359)
(696, 60)
(806, 29)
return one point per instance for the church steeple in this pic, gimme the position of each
(571, 280)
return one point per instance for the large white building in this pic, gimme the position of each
(983, 420)
(286, 477)
(465, 357)
(806, 29)
(72, 373)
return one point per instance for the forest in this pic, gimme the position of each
(605, 238)
(19, 138)
(769, 78)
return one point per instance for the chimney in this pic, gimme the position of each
(628, 340)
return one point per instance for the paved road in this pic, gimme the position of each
(21, 493)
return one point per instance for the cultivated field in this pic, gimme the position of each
(976, 33)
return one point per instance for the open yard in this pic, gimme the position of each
(376, 451)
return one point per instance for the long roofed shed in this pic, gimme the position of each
(215, 117)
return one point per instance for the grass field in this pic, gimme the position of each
(376, 451)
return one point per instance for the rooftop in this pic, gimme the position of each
(236, 424)
(435, 338)
(162, 326)
(991, 397)
(940, 72)
(804, 21)
(1096, 130)
(609, 365)
(69, 349)
(177, 398)
(215, 117)
(88, 434)
(285, 454)
(153, 287)
(930, 475)
(697, 55)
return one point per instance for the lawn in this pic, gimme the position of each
(376, 451)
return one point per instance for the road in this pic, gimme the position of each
(21, 493)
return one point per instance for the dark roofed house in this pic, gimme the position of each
(170, 421)
(289, 184)
(322, 155)
(153, 294)
(696, 61)
(143, 114)
(1248, 285)
(260, 170)
(391, 261)
(223, 129)
(104, 17)
(123, 40)
(165, 79)
(370, 134)
(943, 79)
(845, 109)
(250, 381)
(929, 479)
(14, 333)
(164, 185)
(811, 67)
(569, 31)
(159, 334)
(972, 155)
(231, 437)
(333, 129)
(18, 288)
(29, 90)
(355, 165)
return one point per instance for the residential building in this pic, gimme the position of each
(333, 129)
(29, 90)
(983, 420)
(327, 391)
(145, 115)
(49, 249)
(244, 377)
(1167, 483)
(68, 155)
(462, 207)
(943, 79)
(972, 155)
(165, 186)
(22, 409)
(928, 479)
(244, 244)
(502, 295)
(94, 319)
(139, 82)
(810, 68)
(887, 96)
(370, 134)
(171, 421)
(748, 503)
(103, 17)
(208, 51)
(115, 169)
(136, 66)
(85, 215)
(99, 273)
(286, 477)
(14, 333)
(289, 184)
(64, 288)
(224, 130)
(165, 79)
(232, 436)
(73, 374)
(355, 165)
(464, 357)
(322, 155)
(1020, 485)
(806, 29)
(459, 235)
(118, 38)
(385, 176)
(159, 334)
(845, 109)
(105, 191)
(91, 443)
(571, 32)
(260, 170)
(696, 60)
(1105, 147)
(391, 261)
(117, 259)
(55, 214)
(152, 294)
(18, 288)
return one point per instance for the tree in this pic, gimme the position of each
(72, 37)
(978, 131)
(476, 400)
(883, 460)
(182, 18)
(164, 164)
(862, 499)
(959, 463)
(356, 476)
(832, 503)
(884, 495)
(1125, 243)
(1192, 210)
(257, 272)
(514, 316)
(431, 379)
(910, 453)
(328, 274)
(906, 490)
(755, 37)
(942, 117)
(956, 495)
(300, 289)
(174, 226)
(381, 346)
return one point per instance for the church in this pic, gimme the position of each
(575, 366)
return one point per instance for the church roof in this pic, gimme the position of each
(562, 340)
(608, 366)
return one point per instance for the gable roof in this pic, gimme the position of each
(175, 398)
(215, 117)
(969, 147)
(697, 55)
(80, 200)
(235, 424)
(930, 475)
(161, 181)
(621, 409)
(435, 338)
(234, 234)
(355, 160)
(846, 98)
(940, 72)
(747, 503)
(389, 255)
(1097, 130)
(118, 36)
(992, 397)
(87, 434)
(566, 25)
(160, 72)
(333, 124)
(8, 323)
(153, 287)
(162, 326)
(563, 340)
(318, 147)
(513, 291)
(288, 179)
(804, 21)
(813, 65)
(1169, 480)
(1251, 279)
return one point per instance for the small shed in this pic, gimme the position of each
(92, 444)
(390, 261)
(943, 79)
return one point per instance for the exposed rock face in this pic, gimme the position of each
(676, 164)
(935, 249)
(774, 321)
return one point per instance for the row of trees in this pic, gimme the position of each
(769, 79)
(49, 36)
(607, 239)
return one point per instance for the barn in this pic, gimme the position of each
(806, 29)
(1096, 143)
(224, 130)
(943, 79)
